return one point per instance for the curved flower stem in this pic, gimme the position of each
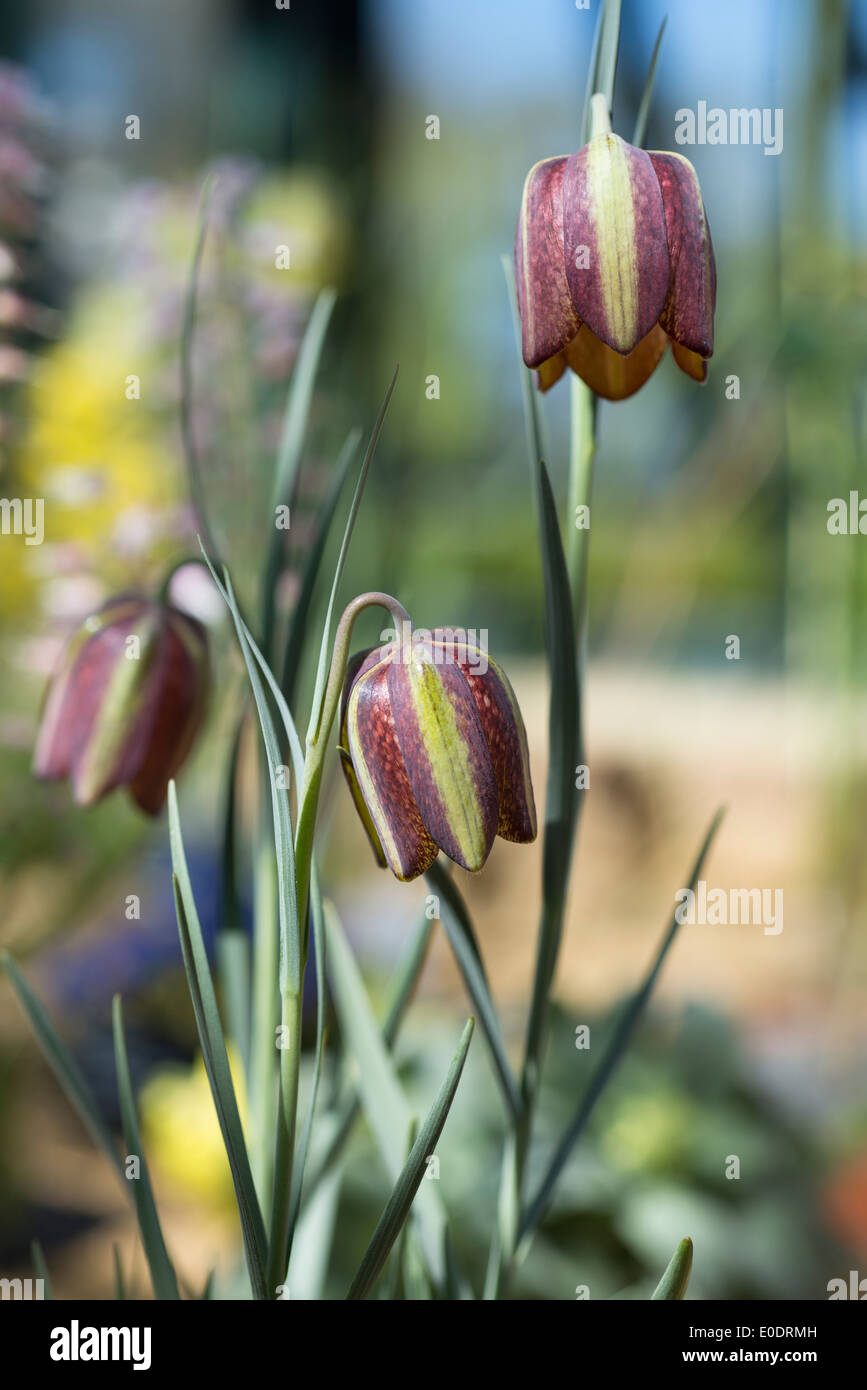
(600, 116)
(317, 741)
(584, 407)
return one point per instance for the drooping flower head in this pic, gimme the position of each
(613, 260)
(435, 752)
(126, 703)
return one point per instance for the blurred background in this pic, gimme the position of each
(709, 520)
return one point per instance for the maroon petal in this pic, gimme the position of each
(689, 307)
(382, 777)
(173, 706)
(548, 318)
(75, 696)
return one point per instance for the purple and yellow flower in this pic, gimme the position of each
(126, 703)
(614, 261)
(435, 752)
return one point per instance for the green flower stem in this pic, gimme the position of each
(600, 116)
(317, 741)
(582, 452)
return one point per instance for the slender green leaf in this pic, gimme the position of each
(314, 1234)
(592, 76)
(191, 453)
(233, 973)
(384, 1102)
(284, 842)
(230, 908)
(400, 994)
(214, 1054)
(162, 1270)
(301, 611)
(673, 1283)
(561, 800)
(612, 1055)
(390, 1291)
(58, 1056)
(292, 738)
(325, 647)
(208, 1290)
(647, 95)
(37, 1254)
(291, 446)
(564, 727)
(409, 1180)
(459, 929)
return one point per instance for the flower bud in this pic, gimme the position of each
(613, 260)
(435, 752)
(126, 703)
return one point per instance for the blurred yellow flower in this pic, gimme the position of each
(182, 1134)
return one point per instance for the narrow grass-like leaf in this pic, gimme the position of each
(191, 453)
(291, 445)
(603, 66)
(214, 1054)
(37, 1255)
(208, 1290)
(612, 1055)
(561, 799)
(647, 95)
(292, 738)
(301, 610)
(382, 1096)
(325, 647)
(314, 1234)
(233, 973)
(459, 929)
(592, 76)
(284, 843)
(564, 726)
(397, 1207)
(162, 1270)
(58, 1056)
(673, 1283)
(399, 996)
(230, 908)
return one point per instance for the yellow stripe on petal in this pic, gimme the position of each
(614, 217)
(454, 772)
(614, 241)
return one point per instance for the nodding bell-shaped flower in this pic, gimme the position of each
(613, 260)
(126, 702)
(435, 752)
